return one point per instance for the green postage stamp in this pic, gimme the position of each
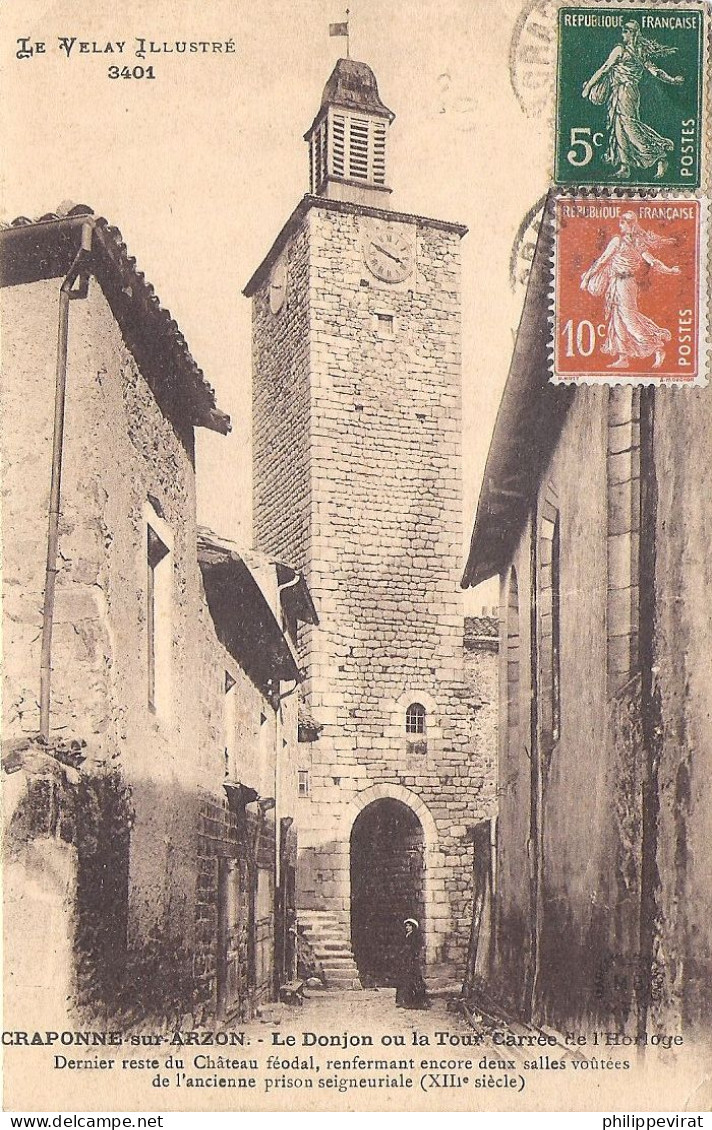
(629, 96)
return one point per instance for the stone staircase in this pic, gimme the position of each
(330, 943)
(444, 980)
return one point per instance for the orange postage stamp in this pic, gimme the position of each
(627, 290)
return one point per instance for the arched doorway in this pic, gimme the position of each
(387, 885)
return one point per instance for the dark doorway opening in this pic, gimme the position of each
(233, 883)
(387, 885)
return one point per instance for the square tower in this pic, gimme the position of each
(357, 405)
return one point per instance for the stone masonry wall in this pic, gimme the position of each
(281, 416)
(624, 795)
(576, 819)
(681, 482)
(378, 444)
(118, 450)
(121, 456)
(481, 670)
(253, 750)
(585, 786)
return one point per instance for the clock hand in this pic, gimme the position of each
(384, 251)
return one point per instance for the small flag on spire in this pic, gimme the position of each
(342, 29)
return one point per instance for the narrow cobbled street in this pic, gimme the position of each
(369, 1011)
(350, 1041)
(359, 1048)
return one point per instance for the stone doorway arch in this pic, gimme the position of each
(428, 886)
(387, 872)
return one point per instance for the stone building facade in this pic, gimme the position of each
(593, 513)
(481, 669)
(357, 479)
(158, 888)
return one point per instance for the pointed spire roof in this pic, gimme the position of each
(353, 85)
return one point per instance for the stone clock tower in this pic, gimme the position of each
(357, 481)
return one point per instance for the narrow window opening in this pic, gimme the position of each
(323, 166)
(303, 782)
(317, 160)
(229, 723)
(158, 616)
(379, 153)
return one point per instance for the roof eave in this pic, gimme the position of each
(529, 421)
(45, 249)
(244, 621)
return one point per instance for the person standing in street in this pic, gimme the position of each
(411, 991)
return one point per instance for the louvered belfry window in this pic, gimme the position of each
(318, 157)
(358, 148)
(338, 145)
(379, 152)
(350, 147)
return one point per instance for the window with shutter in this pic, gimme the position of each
(317, 160)
(358, 149)
(338, 142)
(323, 164)
(379, 153)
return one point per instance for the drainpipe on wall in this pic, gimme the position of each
(280, 909)
(279, 740)
(281, 588)
(278, 762)
(79, 271)
(280, 831)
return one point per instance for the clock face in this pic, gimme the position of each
(278, 286)
(388, 254)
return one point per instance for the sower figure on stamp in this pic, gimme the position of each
(615, 275)
(631, 143)
(411, 991)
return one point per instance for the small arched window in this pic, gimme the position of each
(415, 718)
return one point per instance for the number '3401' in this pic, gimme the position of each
(131, 72)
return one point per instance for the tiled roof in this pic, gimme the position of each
(46, 247)
(479, 626)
